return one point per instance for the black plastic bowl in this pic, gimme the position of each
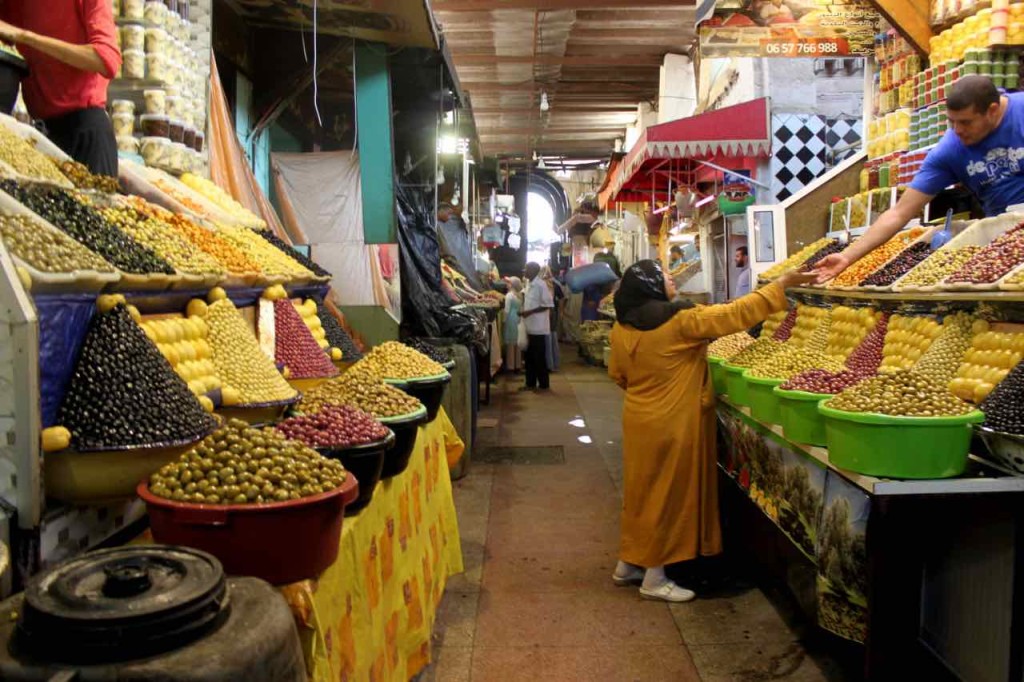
(365, 462)
(405, 429)
(430, 392)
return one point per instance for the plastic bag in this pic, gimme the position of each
(523, 340)
(594, 274)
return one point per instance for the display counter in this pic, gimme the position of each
(369, 616)
(925, 573)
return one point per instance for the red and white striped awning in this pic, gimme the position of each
(730, 137)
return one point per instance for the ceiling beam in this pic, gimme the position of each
(548, 132)
(578, 87)
(573, 109)
(617, 60)
(550, 5)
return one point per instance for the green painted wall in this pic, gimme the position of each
(376, 143)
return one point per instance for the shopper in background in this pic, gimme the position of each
(659, 356)
(675, 258)
(981, 150)
(513, 306)
(558, 296)
(742, 261)
(608, 256)
(71, 50)
(536, 313)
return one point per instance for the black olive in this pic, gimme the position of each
(123, 392)
(336, 334)
(86, 225)
(287, 249)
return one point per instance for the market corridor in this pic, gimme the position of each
(539, 539)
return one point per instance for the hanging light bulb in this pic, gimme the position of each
(618, 145)
(544, 106)
(534, 154)
(540, 164)
(440, 176)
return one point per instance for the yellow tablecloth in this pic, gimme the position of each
(370, 615)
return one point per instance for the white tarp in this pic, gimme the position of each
(324, 191)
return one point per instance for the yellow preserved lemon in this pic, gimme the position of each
(55, 439)
(217, 294)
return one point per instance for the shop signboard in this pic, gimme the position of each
(790, 28)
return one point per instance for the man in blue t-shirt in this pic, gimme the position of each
(982, 150)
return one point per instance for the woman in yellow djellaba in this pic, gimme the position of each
(658, 355)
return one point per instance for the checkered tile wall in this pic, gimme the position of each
(800, 148)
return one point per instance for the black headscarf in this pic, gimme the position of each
(641, 301)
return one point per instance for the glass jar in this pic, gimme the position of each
(156, 101)
(155, 151)
(133, 64)
(156, 13)
(133, 37)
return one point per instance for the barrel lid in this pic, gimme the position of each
(123, 602)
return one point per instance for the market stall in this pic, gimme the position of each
(172, 360)
(874, 426)
(670, 160)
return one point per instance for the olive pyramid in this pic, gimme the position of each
(124, 393)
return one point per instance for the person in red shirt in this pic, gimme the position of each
(71, 50)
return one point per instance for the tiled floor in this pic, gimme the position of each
(539, 541)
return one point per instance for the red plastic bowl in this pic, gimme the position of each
(280, 542)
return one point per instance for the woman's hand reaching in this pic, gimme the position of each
(796, 279)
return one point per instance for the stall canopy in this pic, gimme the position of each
(677, 153)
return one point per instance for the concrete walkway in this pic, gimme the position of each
(539, 541)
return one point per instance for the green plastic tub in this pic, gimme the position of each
(736, 385)
(899, 447)
(764, 404)
(717, 374)
(799, 416)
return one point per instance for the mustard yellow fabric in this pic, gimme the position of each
(370, 615)
(670, 491)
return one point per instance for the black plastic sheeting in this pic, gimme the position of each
(426, 309)
(457, 249)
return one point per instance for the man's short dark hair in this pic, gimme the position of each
(972, 91)
(676, 250)
(743, 250)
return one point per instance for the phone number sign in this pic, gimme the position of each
(806, 47)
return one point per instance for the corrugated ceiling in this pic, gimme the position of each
(595, 59)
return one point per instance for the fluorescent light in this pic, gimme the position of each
(447, 144)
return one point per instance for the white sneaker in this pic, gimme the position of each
(634, 577)
(668, 591)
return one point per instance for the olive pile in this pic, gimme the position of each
(811, 320)
(755, 352)
(797, 258)
(821, 381)
(394, 360)
(269, 259)
(849, 327)
(336, 426)
(239, 361)
(231, 259)
(904, 394)
(988, 362)
(728, 346)
(1004, 406)
(898, 266)
(876, 258)
(792, 361)
(81, 178)
(124, 393)
(47, 250)
(771, 325)
(163, 239)
(20, 155)
(336, 334)
(942, 359)
(286, 249)
(834, 246)
(907, 339)
(867, 357)
(785, 329)
(61, 209)
(239, 464)
(940, 265)
(438, 354)
(360, 387)
(295, 347)
(995, 260)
